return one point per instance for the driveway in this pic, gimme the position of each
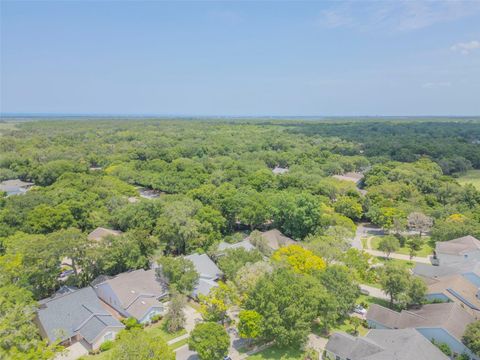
(192, 317)
(183, 353)
(365, 230)
(375, 292)
(72, 352)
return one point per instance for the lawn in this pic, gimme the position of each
(423, 252)
(275, 353)
(471, 177)
(155, 330)
(406, 264)
(159, 330)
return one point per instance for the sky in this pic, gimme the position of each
(245, 58)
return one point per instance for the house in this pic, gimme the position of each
(208, 273)
(136, 294)
(274, 239)
(15, 187)
(444, 323)
(279, 170)
(244, 244)
(458, 289)
(73, 315)
(470, 270)
(100, 233)
(464, 249)
(402, 344)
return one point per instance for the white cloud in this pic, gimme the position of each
(396, 15)
(335, 18)
(466, 48)
(440, 84)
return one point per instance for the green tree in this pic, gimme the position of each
(388, 244)
(44, 219)
(414, 245)
(250, 325)
(416, 291)
(210, 341)
(138, 344)
(234, 259)
(394, 280)
(175, 317)
(338, 281)
(349, 206)
(471, 337)
(179, 272)
(288, 303)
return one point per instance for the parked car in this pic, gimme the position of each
(359, 309)
(364, 292)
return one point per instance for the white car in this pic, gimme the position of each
(360, 310)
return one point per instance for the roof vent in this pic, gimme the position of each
(143, 302)
(132, 291)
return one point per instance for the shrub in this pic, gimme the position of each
(107, 345)
(156, 318)
(131, 323)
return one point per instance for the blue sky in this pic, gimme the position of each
(241, 58)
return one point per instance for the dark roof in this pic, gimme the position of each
(77, 312)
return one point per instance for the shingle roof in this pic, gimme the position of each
(435, 272)
(458, 289)
(458, 246)
(275, 239)
(245, 244)
(348, 346)
(75, 312)
(449, 316)
(137, 290)
(405, 344)
(204, 266)
(100, 233)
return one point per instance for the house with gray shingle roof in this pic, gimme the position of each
(444, 323)
(463, 249)
(405, 344)
(208, 273)
(72, 316)
(15, 187)
(136, 294)
(274, 239)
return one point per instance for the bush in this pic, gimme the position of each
(107, 345)
(156, 318)
(131, 323)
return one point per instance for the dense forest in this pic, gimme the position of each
(215, 182)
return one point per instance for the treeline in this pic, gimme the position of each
(454, 145)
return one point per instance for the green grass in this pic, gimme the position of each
(406, 264)
(423, 252)
(275, 353)
(155, 330)
(368, 300)
(471, 177)
(178, 344)
(160, 330)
